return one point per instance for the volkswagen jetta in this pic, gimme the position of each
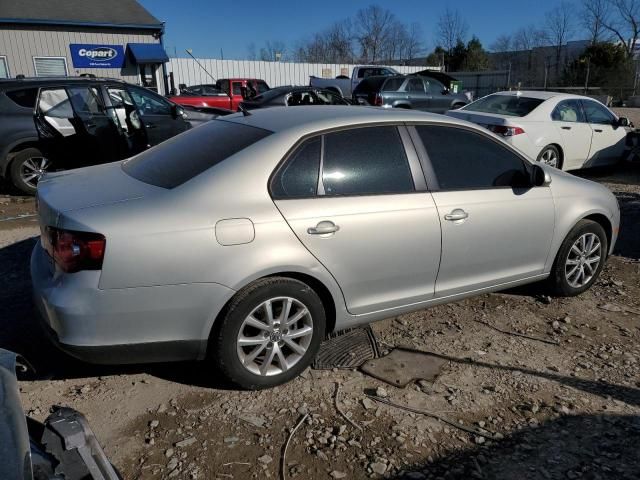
(246, 240)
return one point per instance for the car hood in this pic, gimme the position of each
(106, 184)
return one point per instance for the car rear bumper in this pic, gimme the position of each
(129, 325)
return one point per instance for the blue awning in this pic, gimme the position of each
(147, 52)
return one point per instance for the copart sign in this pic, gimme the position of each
(96, 56)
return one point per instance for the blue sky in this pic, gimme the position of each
(208, 26)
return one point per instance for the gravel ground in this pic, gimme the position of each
(564, 404)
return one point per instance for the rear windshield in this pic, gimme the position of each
(372, 84)
(512, 105)
(181, 158)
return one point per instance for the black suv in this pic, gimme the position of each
(68, 122)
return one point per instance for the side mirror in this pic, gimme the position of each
(177, 111)
(445, 91)
(539, 178)
(623, 122)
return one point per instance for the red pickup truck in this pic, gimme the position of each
(226, 93)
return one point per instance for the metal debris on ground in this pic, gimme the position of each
(403, 366)
(347, 349)
(283, 459)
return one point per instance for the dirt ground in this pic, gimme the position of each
(549, 386)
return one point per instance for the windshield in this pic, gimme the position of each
(185, 156)
(511, 105)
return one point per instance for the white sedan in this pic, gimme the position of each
(565, 131)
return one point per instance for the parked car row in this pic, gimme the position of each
(260, 232)
(68, 122)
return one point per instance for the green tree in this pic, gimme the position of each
(609, 67)
(476, 57)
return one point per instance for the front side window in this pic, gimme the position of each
(123, 112)
(150, 104)
(237, 88)
(568, 111)
(299, 175)
(328, 98)
(262, 86)
(365, 161)
(463, 159)
(597, 113)
(434, 87)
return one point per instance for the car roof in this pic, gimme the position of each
(542, 95)
(40, 81)
(309, 119)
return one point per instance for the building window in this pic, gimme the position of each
(50, 66)
(4, 69)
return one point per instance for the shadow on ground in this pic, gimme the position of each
(569, 447)
(21, 332)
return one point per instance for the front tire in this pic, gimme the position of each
(26, 169)
(580, 259)
(269, 333)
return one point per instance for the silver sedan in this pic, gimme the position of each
(246, 240)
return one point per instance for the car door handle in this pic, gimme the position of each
(90, 125)
(597, 130)
(323, 228)
(455, 215)
(150, 125)
(566, 128)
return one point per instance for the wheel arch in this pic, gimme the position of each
(605, 223)
(13, 148)
(318, 286)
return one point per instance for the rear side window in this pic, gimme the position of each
(512, 105)
(568, 111)
(185, 156)
(86, 100)
(414, 85)
(462, 160)
(299, 176)
(393, 84)
(365, 161)
(25, 97)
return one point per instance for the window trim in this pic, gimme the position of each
(420, 186)
(430, 174)
(64, 59)
(3, 58)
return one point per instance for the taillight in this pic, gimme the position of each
(377, 101)
(505, 131)
(74, 251)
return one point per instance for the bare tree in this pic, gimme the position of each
(451, 29)
(623, 21)
(273, 51)
(252, 52)
(414, 45)
(373, 25)
(502, 44)
(559, 29)
(594, 14)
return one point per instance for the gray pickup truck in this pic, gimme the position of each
(344, 86)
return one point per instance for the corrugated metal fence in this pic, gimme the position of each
(187, 71)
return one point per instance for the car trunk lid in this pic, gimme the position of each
(106, 184)
(483, 119)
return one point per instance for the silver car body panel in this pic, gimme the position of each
(169, 269)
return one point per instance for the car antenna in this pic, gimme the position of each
(244, 110)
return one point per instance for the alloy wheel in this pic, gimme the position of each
(274, 336)
(549, 157)
(583, 260)
(32, 170)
